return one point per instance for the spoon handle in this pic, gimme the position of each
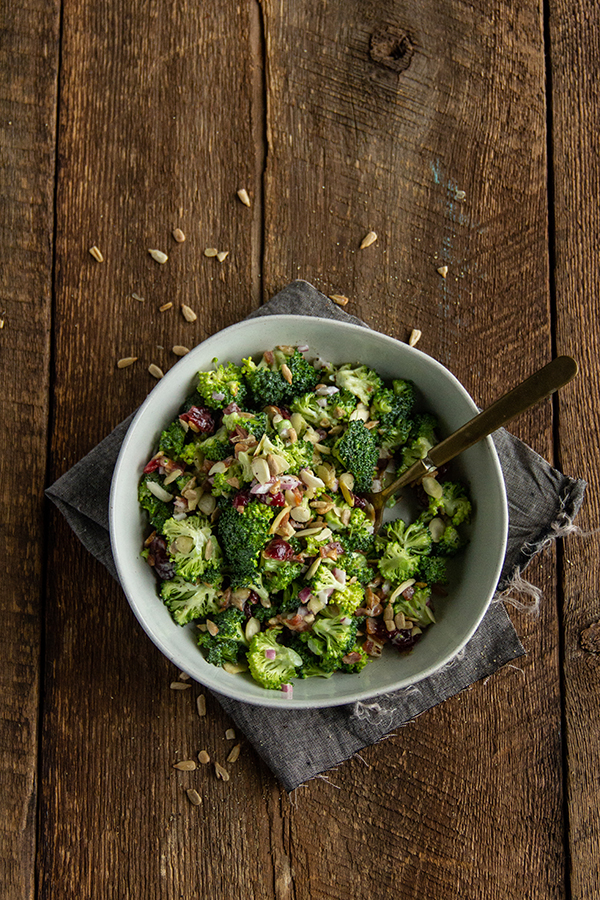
(535, 388)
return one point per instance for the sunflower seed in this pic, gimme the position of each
(212, 628)
(415, 337)
(165, 307)
(178, 235)
(137, 297)
(230, 734)
(186, 765)
(159, 256)
(210, 251)
(460, 195)
(368, 239)
(178, 350)
(188, 314)
(222, 255)
(201, 704)
(287, 373)
(234, 753)
(221, 772)
(194, 796)
(96, 254)
(443, 271)
(179, 686)
(126, 361)
(243, 195)
(203, 757)
(183, 676)
(339, 299)
(155, 371)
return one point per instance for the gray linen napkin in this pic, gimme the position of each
(298, 745)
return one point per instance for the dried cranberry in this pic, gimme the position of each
(231, 408)
(199, 419)
(241, 500)
(277, 499)
(279, 549)
(159, 559)
(359, 502)
(152, 466)
(403, 640)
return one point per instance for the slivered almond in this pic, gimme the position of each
(95, 252)
(280, 520)
(415, 337)
(260, 469)
(340, 299)
(221, 772)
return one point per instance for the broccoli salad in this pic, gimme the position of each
(260, 530)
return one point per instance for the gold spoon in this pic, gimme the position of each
(535, 388)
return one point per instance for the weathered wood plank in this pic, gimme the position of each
(29, 59)
(459, 802)
(159, 128)
(574, 34)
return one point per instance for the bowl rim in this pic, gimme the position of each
(275, 699)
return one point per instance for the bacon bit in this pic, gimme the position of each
(268, 357)
(350, 658)
(372, 648)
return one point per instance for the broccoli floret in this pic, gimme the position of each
(353, 668)
(267, 386)
(278, 574)
(192, 545)
(422, 439)
(304, 376)
(359, 380)
(342, 405)
(216, 447)
(432, 569)
(158, 510)
(450, 542)
(299, 456)
(356, 565)
(392, 406)
(268, 668)
(333, 634)
(397, 563)
(242, 537)
(357, 450)
(229, 641)
(187, 602)
(254, 423)
(396, 436)
(350, 598)
(416, 608)
(221, 481)
(416, 537)
(357, 534)
(326, 580)
(222, 386)
(453, 503)
(312, 665)
(311, 410)
(172, 439)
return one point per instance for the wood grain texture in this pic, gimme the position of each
(574, 47)
(459, 802)
(29, 55)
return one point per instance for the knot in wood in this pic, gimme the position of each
(590, 638)
(393, 49)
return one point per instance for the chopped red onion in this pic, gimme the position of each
(340, 575)
(217, 395)
(287, 689)
(304, 595)
(270, 653)
(302, 349)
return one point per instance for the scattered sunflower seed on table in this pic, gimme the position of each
(368, 239)
(96, 254)
(159, 256)
(178, 235)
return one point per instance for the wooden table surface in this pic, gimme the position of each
(465, 135)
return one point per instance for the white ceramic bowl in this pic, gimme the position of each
(474, 574)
